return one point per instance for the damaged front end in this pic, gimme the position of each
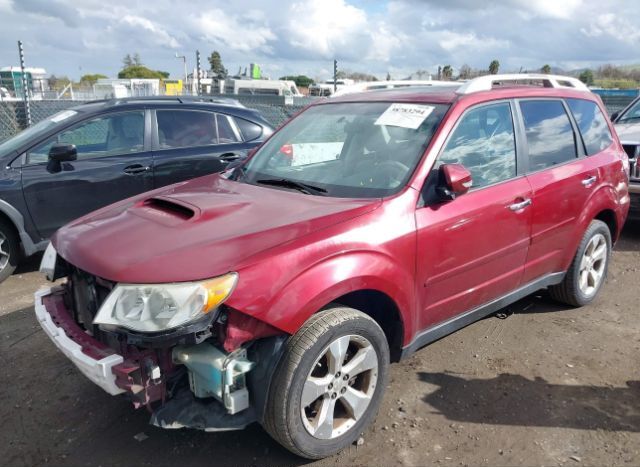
(176, 349)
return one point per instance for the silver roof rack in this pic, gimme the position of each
(486, 83)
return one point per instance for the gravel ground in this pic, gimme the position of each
(548, 385)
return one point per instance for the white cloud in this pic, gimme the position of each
(247, 34)
(609, 24)
(160, 35)
(563, 9)
(452, 41)
(327, 28)
(304, 36)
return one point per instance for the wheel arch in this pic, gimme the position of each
(16, 220)
(372, 282)
(382, 309)
(603, 205)
(608, 216)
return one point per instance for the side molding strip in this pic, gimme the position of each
(462, 320)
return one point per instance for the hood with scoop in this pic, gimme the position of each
(195, 230)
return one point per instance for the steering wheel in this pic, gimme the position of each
(397, 170)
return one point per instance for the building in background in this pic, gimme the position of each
(11, 81)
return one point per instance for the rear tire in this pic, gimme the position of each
(588, 269)
(9, 249)
(329, 383)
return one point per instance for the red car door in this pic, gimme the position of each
(472, 250)
(562, 182)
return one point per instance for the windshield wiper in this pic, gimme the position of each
(287, 183)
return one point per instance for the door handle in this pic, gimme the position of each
(589, 181)
(229, 157)
(136, 169)
(520, 205)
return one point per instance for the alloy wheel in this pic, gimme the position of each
(4, 251)
(592, 265)
(339, 387)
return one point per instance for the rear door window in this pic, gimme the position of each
(592, 124)
(227, 132)
(185, 128)
(549, 132)
(484, 143)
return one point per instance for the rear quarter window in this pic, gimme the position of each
(592, 124)
(249, 130)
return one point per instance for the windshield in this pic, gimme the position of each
(632, 114)
(350, 150)
(34, 131)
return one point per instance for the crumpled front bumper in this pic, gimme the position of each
(94, 359)
(118, 374)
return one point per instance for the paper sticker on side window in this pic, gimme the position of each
(405, 115)
(63, 115)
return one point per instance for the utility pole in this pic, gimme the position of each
(198, 70)
(335, 76)
(25, 84)
(184, 62)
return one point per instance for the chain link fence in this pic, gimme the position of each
(275, 109)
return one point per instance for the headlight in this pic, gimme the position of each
(161, 307)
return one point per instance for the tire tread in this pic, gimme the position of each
(298, 344)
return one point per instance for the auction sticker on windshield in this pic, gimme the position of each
(405, 115)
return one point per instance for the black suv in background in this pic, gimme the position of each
(89, 156)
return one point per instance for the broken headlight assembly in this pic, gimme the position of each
(163, 307)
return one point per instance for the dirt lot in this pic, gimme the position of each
(548, 385)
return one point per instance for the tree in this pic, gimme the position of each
(355, 75)
(128, 60)
(586, 77)
(139, 71)
(447, 73)
(494, 67)
(546, 69)
(215, 62)
(90, 80)
(465, 72)
(58, 83)
(302, 81)
(388, 76)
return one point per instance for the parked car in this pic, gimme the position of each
(627, 125)
(279, 291)
(92, 155)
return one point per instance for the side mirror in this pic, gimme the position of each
(63, 152)
(614, 116)
(455, 180)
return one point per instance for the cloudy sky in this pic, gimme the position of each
(74, 37)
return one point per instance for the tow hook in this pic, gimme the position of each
(214, 373)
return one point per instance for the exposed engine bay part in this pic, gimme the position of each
(184, 410)
(214, 373)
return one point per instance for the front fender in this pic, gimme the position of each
(288, 307)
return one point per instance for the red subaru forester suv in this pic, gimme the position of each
(367, 227)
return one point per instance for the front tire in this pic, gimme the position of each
(329, 384)
(588, 269)
(9, 250)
